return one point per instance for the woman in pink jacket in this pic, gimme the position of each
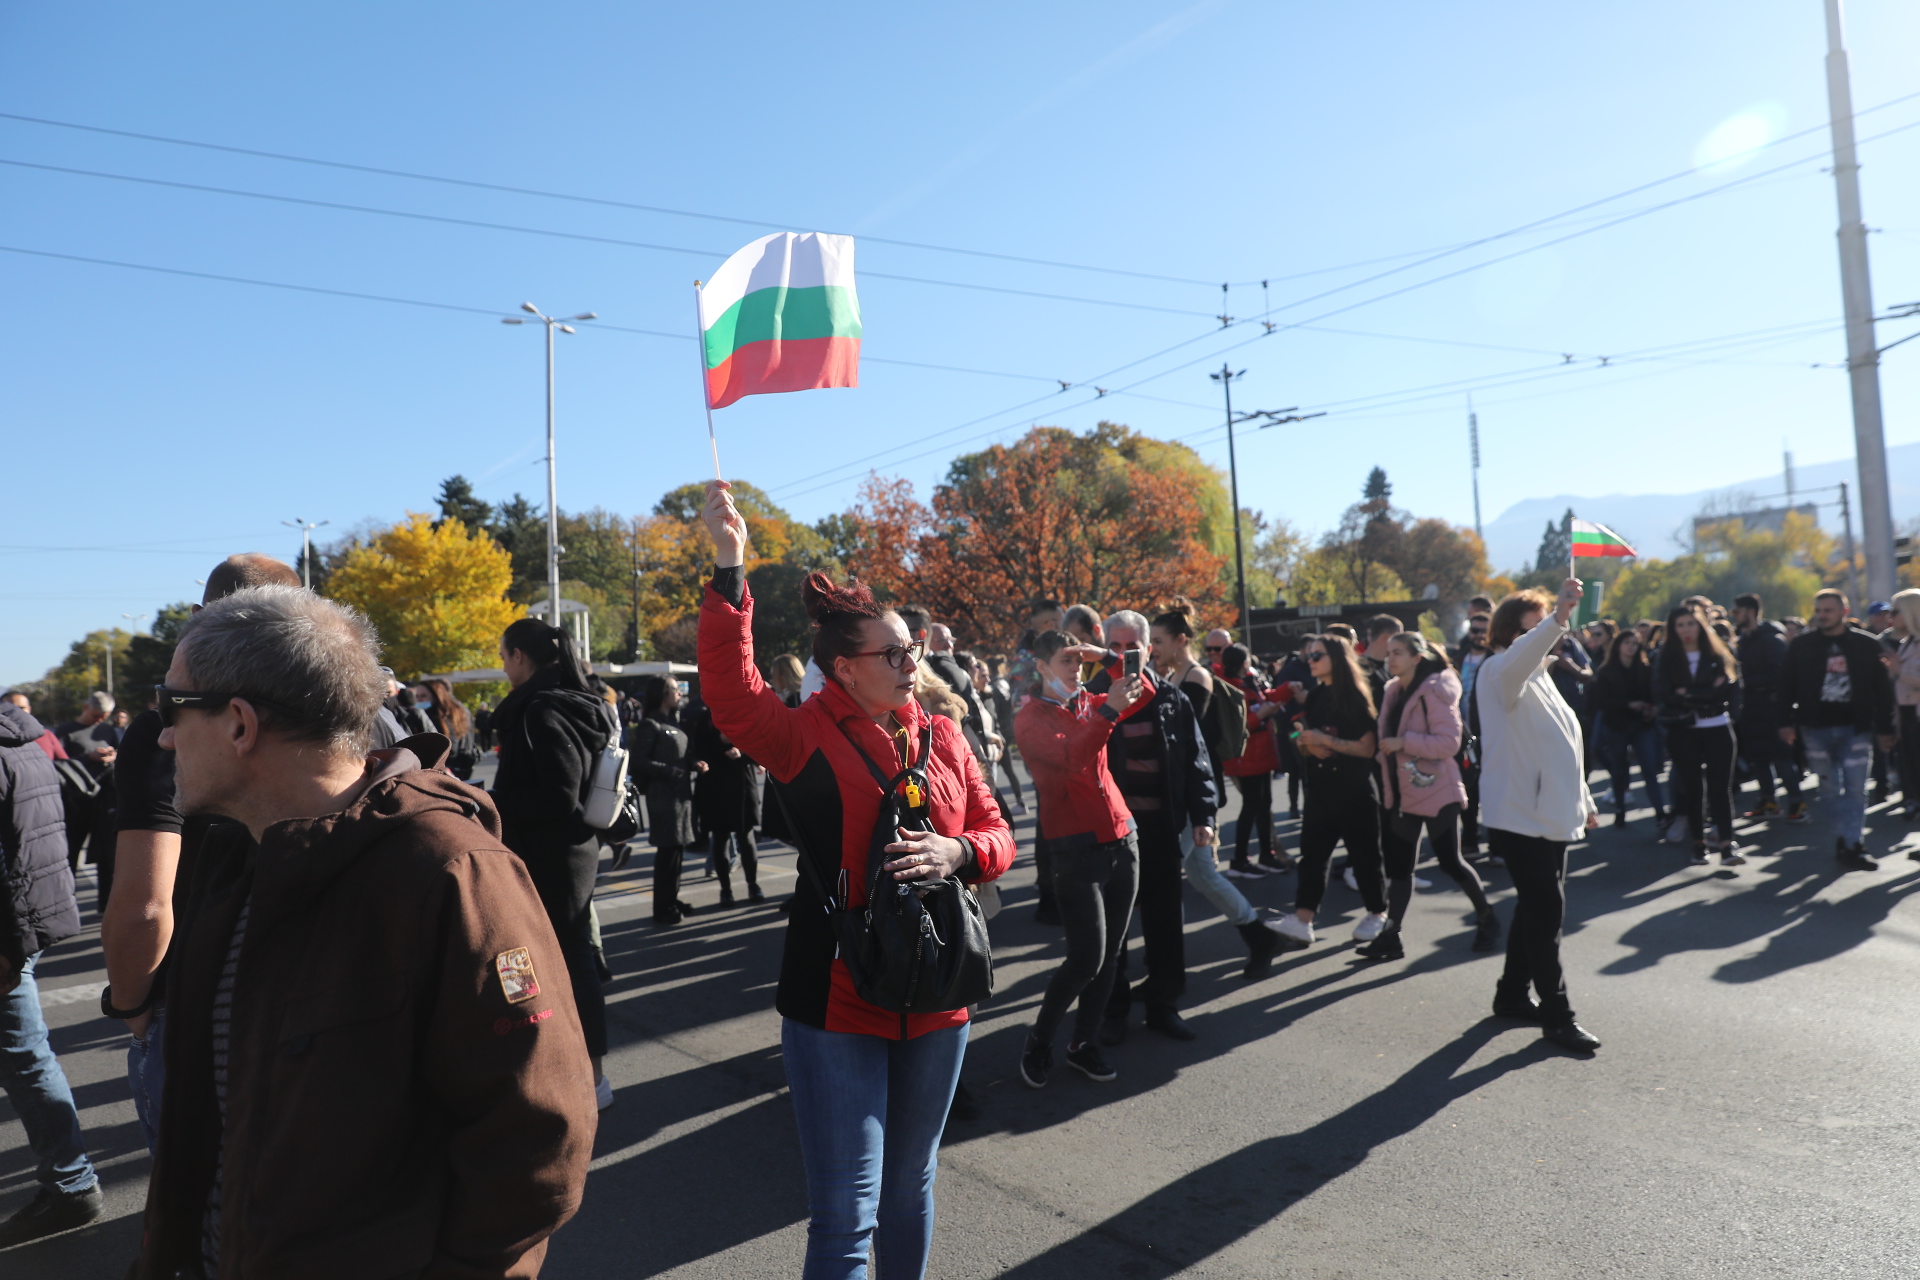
(1420, 735)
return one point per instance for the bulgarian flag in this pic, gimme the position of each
(781, 315)
(1591, 539)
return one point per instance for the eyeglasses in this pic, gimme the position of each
(1215, 648)
(1316, 654)
(897, 654)
(170, 702)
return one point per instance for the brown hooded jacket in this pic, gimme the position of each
(409, 1093)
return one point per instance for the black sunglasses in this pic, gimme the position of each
(1315, 655)
(170, 702)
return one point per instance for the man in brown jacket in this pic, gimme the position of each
(374, 1067)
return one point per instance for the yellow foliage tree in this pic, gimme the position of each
(438, 596)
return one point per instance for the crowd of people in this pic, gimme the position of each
(407, 1081)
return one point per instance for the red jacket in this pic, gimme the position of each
(1262, 754)
(835, 802)
(1065, 748)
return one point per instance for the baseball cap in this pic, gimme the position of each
(1879, 606)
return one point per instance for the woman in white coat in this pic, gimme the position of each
(1534, 800)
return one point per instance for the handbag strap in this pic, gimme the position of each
(805, 858)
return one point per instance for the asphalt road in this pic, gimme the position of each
(1751, 1113)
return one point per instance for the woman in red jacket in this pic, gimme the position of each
(871, 1088)
(1253, 769)
(1062, 732)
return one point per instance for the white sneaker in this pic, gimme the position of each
(1295, 934)
(1350, 880)
(603, 1093)
(1676, 829)
(1369, 928)
(1421, 882)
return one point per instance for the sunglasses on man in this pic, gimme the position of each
(897, 654)
(170, 702)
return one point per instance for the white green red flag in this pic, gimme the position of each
(1590, 539)
(781, 315)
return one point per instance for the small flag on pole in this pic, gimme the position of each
(781, 315)
(1591, 539)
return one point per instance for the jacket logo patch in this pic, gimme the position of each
(515, 968)
(501, 1026)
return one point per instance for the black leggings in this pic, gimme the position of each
(1703, 770)
(1400, 843)
(1256, 815)
(1094, 886)
(722, 855)
(1337, 812)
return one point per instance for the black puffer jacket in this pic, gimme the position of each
(37, 908)
(550, 738)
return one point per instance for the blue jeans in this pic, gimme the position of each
(1841, 755)
(1202, 866)
(870, 1113)
(1644, 742)
(37, 1087)
(147, 1075)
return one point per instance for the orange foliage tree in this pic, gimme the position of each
(1054, 514)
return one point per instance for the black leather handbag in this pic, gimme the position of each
(912, 948)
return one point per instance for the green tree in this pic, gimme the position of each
(149, 655)
(457, 502)
(1783, 567)
(521, 528)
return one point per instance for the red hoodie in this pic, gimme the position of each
(835, 802)
(1065, 748)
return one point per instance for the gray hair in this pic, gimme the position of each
(101, 701)
(316, 660)
(1134, 622)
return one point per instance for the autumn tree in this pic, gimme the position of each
(437, 596)
(1057, 514)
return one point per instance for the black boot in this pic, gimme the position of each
(1261, 944)
(726, 888)
(1486, 929)
(1385, 947)
(1167, 1021)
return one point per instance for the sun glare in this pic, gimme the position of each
(1734, 141)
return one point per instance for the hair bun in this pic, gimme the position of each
(821, 595)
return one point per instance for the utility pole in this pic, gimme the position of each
(1856, 291)
(1272, 418)
(133, 625)
(1473, 443)
(1846, 534)
(306, 546)
(553, 499)
(634, 652)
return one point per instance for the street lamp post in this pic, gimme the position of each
(1267, 418)
(553, 507)
(133, 620)
(306, 529)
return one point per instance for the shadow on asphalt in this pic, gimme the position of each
(1209, 1209)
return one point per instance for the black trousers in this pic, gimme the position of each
(1339, 812)
(1042, 859)
(1400, 848)
(721, 846)
(1769, 758)
(1539, 871)
(564, 880)
(1470, 819)
(1256, 815)
(1703, 772)
(1094, 887)
(666, 881)
(1162, 927)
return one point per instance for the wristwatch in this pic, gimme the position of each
(108, 1011)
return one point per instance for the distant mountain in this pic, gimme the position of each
(1655, 522)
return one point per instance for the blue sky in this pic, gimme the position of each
(176, 419)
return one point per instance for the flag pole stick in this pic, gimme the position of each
(700, 353)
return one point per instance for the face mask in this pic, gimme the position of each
(1059, 689)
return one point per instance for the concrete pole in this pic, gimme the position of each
(1856, 291)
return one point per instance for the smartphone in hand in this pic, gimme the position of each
(1130, 662)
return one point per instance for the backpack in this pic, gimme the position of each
(1225, 724)
(912, 948)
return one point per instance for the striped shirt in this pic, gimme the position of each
(222, 1029)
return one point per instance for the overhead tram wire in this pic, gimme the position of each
(855, 465)
(576, 198)
(1144, 359)
(551, 233)
(508, 189)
